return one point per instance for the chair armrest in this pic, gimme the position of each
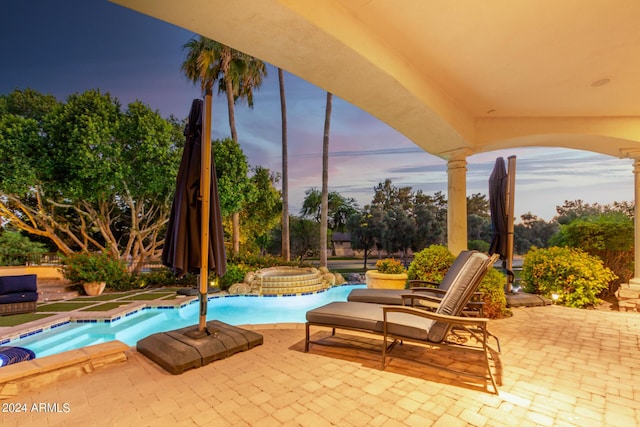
(429, 290)
(420, 297)
(454, 320)
(422, 282)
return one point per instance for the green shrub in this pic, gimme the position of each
(126, 282)
(390, 266)
(159, 277)
(608, 236)
(495, 301)
(479, 245)
(235, 274)
(84, 267)
(431, 264)
(576, 277)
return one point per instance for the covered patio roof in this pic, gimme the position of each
(456, 77)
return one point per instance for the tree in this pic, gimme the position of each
(28, 104)
(532, 231)
(399, 229)
(386, 195)
(304, 241)
(478, 204)
(339, 210)
(363, 231)
(428, 213)
(286, 242)
(238, 75)
(572, 209)
(234, 186)
(261, 214)
(15, 248)
(430, 216)
(324, 217)
(89, 176)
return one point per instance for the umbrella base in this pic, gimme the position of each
(522, 299)
(197, 334)
(188, 348)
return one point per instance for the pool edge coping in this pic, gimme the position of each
(32, 374)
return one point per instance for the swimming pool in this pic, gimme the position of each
(234, 310)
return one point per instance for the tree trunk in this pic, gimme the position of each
(235, 217)
(231, 107)
(235, 225)
(324, 214)
(286, 248)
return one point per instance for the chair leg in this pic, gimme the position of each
(306, 340)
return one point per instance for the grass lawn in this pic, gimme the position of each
(105, 307)
(147, 296)
(19, 319)
(63, 306)
(103, 297)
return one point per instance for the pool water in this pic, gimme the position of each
(237, 310)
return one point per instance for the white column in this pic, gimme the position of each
(636, 225)
(457, 203)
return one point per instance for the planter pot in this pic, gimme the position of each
(376, 280)
(94, 288)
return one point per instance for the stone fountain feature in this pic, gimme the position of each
(284, 280)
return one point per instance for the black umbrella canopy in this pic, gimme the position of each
(182, 248)
(498, 207)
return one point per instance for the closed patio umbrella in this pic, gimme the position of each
(194, 241)
(501, 185)
(498, 208)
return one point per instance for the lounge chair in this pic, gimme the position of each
(425, 296)
(445, 326)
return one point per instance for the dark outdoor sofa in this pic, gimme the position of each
(18, 294)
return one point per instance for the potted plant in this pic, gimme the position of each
(389, 274)
(92, 270)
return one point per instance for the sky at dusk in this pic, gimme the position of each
(67, 46)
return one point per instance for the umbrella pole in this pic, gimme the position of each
(205, 194)
(511, 185)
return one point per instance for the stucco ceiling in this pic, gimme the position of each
(457, 77)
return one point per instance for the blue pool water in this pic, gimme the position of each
(239, 310)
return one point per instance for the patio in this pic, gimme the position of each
(559, 367)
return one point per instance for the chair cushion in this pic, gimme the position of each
(369, 317)
(455, 269)
(454, 301)
(21, 283)
(378, 296)
(18, 297)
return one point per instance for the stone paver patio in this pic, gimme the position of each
(559, 367)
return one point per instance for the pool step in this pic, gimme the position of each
(124, 329)
(51, 341)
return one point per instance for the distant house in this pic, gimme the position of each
(342, 244)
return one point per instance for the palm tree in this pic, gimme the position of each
(200, 65)
(286, 248)
(237, 73)
(324, 215)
